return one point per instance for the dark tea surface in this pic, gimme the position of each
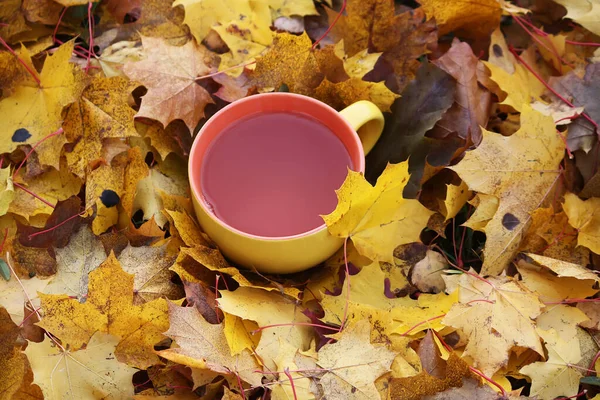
(273, 174)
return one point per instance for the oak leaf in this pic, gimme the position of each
(82, 374)
(109, 308)
(203, 345)
(488, 313)
(353, 364)
(499, 167)
(171, 75)
(34, 111)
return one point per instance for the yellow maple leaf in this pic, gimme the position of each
(7, 190)
(101, 113)
(519, 84)
(495, 315)
(500, 166)
(289, 61)
(203, 345)
(269, 308)
(584, 216)
(377, 219)
(456, 198)
(34, 111)
(81, 374)
(556, 377)
(353, 364)
(487, 205)
(342, 94)
(584, 12)
(237, 332)
(552, 288)
(170, 74)
(477, 19)
(109, 308)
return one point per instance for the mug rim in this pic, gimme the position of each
(194, 176)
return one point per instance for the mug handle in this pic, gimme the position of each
(367, 120)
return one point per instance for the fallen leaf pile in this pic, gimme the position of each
(471, 263)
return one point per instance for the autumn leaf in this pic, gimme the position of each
(402, 38)
(171, 76)
(582, 216)
(353, 364)
(498, 166)
(289, 61)
(456, 197)
(422, 104)
(470, 110)
(368, 214)
(81, 374)
(33, 112)
(557, 376)
(487, 312)
(82, 255)
(267, 309)
(461, 15)
(102, 112)
(202, 345)
(584, 12)
(109, 308)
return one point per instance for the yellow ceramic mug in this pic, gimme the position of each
(284, 254)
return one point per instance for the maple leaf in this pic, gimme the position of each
(474, 19)
(102, 112)
(74, 262)
(456, 197)
(151, 276)
(13, 20)
(203, 345)
(15, 373)
(502, 164)
(377, 219)
(82, 374)
(13, 299)
(555, 377)
(470, 110)
(519, 84)
(488, 312)
(582, 216)
(289, 62)
(342, 94)
(422, 104)
(266, 309)
(109, 309)
(403, 38)
(7, 190)
(33, 112)
(171, 76)
(584, 12)
(104, 189)
(353, 364)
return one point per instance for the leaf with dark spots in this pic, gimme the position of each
(199, 295)
(21, 135)
(497, 50)
(422, 104)
(61, 226)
